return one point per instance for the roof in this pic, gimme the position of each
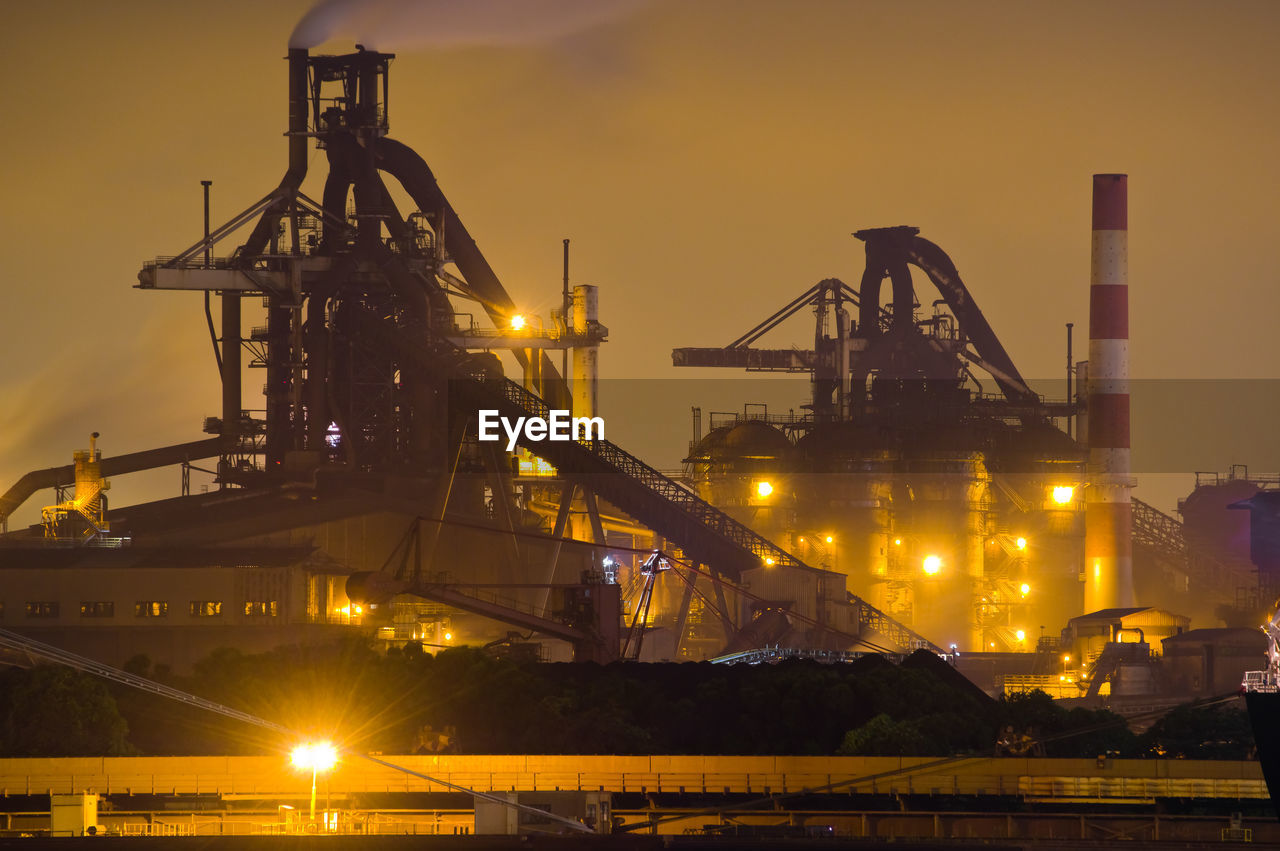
(1112, 614)
(1219, 635)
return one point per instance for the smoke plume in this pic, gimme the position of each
(400, 24)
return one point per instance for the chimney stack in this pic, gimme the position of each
(1108, 546)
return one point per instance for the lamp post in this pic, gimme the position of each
(318, 756)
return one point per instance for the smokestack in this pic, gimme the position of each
(1108, 547)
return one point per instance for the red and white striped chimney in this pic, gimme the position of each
(1108, 545)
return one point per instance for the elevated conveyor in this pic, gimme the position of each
(705, 533)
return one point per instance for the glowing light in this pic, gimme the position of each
(1021, 543)
(318, 757)
(1025, 589)
(769, 561)
(1066, 658)
(1021, 635)
(932, 564)
(763, 489)
(830, 539)
(1063, 494)
(315, 756)
(897, 542)
(802, 540)
(993, 644)
(448, 636)
(359, 610)
(517, 322)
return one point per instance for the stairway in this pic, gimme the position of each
(705, 533)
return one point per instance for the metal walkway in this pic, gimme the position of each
(1165, 536)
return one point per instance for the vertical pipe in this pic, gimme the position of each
(229, 363)
(977, 502)
(565, 313)
(208, 249)
(1108, 511)
(208, 296)
(297, 134)
(231, 393)
(586, 381)
(1070, 325)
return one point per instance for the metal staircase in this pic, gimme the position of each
(705, 533)
(1165, 536)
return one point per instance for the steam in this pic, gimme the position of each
(399, 24)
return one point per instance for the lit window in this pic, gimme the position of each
(151, 609)
(206, 608)
(98, 609)
(42, 609)
(261, 608)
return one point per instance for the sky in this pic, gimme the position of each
(709, 160)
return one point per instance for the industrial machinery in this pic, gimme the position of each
(952, 504)
(84, 515)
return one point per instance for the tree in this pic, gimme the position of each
(54, 711)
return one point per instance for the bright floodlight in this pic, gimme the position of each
(1021, 634)
(830, 539)
(1063, 494)
(517, 322)
(1025, 589)
(1021, 543)
(763, 489)
(932, 564)
(317, 756)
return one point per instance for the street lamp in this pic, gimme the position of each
(317, 756)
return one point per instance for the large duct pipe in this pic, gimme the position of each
(586, 355)
(1108, 546)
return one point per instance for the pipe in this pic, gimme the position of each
(565, 316)
(1108, 545)
(208, 309)
(586, 373)
(1070, 325)
(297, 170)
(406, 166)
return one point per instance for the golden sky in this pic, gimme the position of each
(708, 158)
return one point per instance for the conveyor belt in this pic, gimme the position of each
(704, 532)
